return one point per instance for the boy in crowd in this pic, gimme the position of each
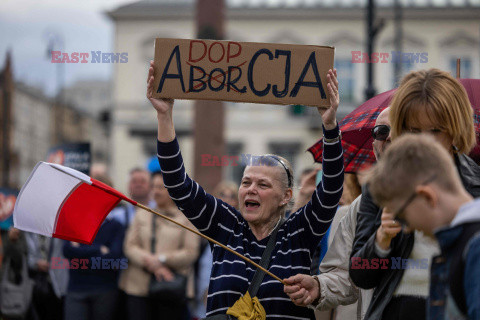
(417, 181)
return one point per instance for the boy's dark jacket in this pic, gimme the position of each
(385, 281)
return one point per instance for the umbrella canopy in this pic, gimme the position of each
(357, 125)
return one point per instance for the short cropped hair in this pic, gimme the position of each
(408, 162)
(286, 178)
(139, 169)
(442, 97)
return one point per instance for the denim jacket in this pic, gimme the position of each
(459, 241)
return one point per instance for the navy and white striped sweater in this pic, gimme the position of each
(297, 238)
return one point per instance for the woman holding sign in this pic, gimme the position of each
(264, 194)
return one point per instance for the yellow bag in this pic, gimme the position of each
(247, 308)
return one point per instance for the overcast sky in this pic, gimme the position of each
(25, 27)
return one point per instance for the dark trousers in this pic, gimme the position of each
(143, 308)
(46, 305)
(121, 307)
(405, 307)
(90, 306)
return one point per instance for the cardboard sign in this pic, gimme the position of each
(73, 155)
(242, 71)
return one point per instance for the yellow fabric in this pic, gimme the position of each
(247, 308)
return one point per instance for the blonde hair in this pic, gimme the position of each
(409, 162)
(442, 97)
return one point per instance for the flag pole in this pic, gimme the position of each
(211, 240)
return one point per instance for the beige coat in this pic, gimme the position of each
(178, 245)
(336, 288)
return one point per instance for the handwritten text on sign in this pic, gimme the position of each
(242, 71)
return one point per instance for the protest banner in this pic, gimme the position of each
(242, 71)
(7, 204)
(73, 155)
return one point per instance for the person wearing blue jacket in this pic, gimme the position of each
(92, 287)
(418, 184)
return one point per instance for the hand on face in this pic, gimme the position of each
(388, 230)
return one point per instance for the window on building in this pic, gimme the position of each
(234, 172)
(346, 77)
(407, 66)
(465, 67)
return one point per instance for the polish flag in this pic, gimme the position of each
(60, 202)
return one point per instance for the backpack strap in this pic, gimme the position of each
(259, 274)
(266, 256)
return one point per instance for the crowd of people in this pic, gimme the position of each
(401, 241)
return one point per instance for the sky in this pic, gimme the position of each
(27, 25)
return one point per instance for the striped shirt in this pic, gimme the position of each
(296, 242)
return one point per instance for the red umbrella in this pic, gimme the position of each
(357, 125)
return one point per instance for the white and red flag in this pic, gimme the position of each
(60, 202)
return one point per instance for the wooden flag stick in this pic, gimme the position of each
(211, 240)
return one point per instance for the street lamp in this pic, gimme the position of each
(56, 41)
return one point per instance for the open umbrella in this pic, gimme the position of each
(357, 125)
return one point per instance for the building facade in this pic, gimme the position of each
(435, 34)
(32, 123)
(93, 97)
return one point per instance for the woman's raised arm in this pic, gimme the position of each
(164, 107)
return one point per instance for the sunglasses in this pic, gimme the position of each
(381, 132)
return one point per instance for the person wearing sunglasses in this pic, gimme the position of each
(333, 288)
(381, 133)
(430, 102)
(418, 181)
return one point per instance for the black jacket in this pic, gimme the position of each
(385, 281)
